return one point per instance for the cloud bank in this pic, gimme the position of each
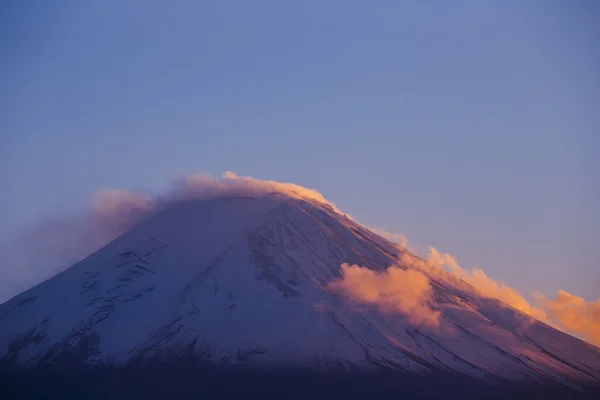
(206, 186)
(395, 290)
(566, 312)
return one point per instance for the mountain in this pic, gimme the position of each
(243, 284)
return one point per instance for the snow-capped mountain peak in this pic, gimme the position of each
(249, 281)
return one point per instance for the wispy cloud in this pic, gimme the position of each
(394, 290)
(52, 244)
(206, 186)
(566, 311)
(486, 286)
(398, 238)
(572, 313)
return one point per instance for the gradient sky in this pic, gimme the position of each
(472, 126)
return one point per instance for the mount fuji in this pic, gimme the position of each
(241, 289)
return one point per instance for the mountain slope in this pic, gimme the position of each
(244, 281)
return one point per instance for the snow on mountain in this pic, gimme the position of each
(246, 281)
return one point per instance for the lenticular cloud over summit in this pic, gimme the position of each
(206, 186)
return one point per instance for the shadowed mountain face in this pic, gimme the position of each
(233, 288)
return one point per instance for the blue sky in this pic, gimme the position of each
(471, 126)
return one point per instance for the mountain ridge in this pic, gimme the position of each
(246, 281)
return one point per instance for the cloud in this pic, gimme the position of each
(395, 290)
(42, 250)
(486, 286)
(398, 238)
(206, 186)
(52, 244)
(573, 314)
(115, 211)
(567, 312)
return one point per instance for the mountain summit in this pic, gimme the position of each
(257, 282)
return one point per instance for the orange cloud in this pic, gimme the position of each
(204, 186)
(395, 290)
(566, 312)
(487, 286)
(397, 238)
(115, 211)
(573, 313)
